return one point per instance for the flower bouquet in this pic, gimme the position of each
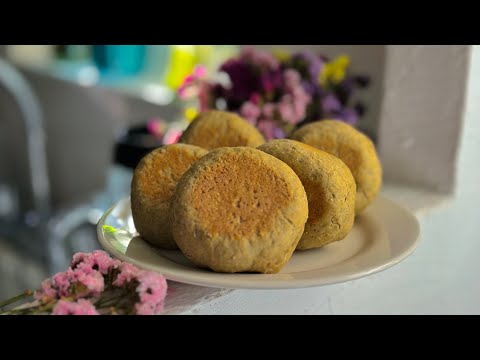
(277, 92)
(94, 284)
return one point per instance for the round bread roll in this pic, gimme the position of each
(355, 149)
(239, 209)
(153, 184)
(213, 129)
(330, 189)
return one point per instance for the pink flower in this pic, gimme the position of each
(104, 261)
(46, 292)
(286, 110)
(151, 290)
(128, 272)
(291, 79)
(191, 85)
(267, 127)
(80, 307)
(293, 105)
(93, 280)
(68, 283)
(172, 136)
(62, 282)
(97, 260)
(300, 95)
(250, 112)
(268, 110)
(156, 126)
(299, 111)
(79, 258)
(199, 72)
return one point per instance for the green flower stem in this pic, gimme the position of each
(14, 299)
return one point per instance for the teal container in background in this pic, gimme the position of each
(157, 62)
(120, 59)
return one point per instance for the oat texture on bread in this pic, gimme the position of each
(330, 189)
(239, 209)
(212, 129)
(153, 184)
(355, 149)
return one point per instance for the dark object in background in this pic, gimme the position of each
(134, 144)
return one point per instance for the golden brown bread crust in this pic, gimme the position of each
(330, 189)
(153, 184)
(354, 148)
(239, 210)
(213, 129)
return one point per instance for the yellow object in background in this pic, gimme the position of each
(280, 54)
(204, 55)
(334, 71)
(182, 61)
(190, 113)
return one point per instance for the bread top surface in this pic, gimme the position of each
(158, 172)
(214, 129)
(240, 191)
(339, 139)
(354, 148)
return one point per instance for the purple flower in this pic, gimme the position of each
(259, 58)
(315, 63)
(271, 80)
(349, 116)
(344, 90)
(244, 80)
(255, 98)
(330, 104)
(278, 133)
(310, 88)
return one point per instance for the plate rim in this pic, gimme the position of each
(272, 283)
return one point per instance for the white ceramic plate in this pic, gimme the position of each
(382, 236)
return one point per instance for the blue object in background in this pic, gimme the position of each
(120, 59)
(157, 62)
(99, 53)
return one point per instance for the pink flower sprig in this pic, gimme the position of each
(79, 307)
(289, 109)
(97, 284)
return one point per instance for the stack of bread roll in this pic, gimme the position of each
(232, 202)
